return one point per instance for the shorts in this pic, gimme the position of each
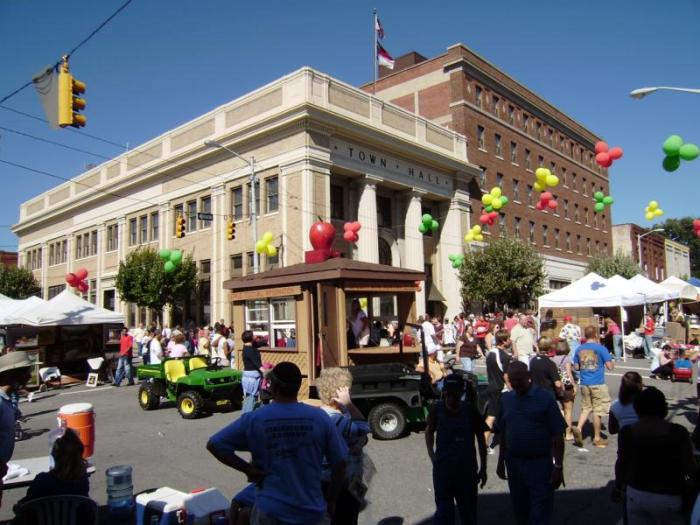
(494, 398)
(595, 398)
(569, 394)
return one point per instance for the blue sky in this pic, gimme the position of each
(160, 64)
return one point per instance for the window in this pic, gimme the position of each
(555, 284)
(155, 226)
(177, 212)
(237, 203)
(383, 211)
(273, 262)
(531, 234)
(529, 195)
(143, 229)
(93, 291)
(572, 147)
(494, 105)
(86, 245)
(112, 237)
(528, 160)
(553, 167)
(540, 161)
(578, 244)
(595, 221)
(273, 320)
(566, 208)
(237, 265)
(516, 190)
(538, 131)
(576, 215)
(568, 241)
(511, 114)
(550, 137)
(205, 207)
(499, 147)
(501, 224)
(64, 251)
(51, 258)
(513, 152)
(556, 238)
(482, 177)
(271, 194)
(585, 215)
(592, 188)
(588, 247)
(583, 185)
(205, 266)
(337, 202)
(79, 245)
(602, 221)
(526, 123)
(562, 143)
(55, 290)
(517, 228)
(93, 242)
(192, 216)
(573, 182)
(480, 138)
(564, 180)
(597, 250)
(499, 180)
(257, 198)
(545, 230)
(250, 265)
(478, 92)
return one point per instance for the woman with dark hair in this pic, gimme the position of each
(622, 411)
(653, 487)
(252, 371)
(68, 477)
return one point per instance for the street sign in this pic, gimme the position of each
(205, 216)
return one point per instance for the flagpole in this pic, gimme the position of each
(374, 51)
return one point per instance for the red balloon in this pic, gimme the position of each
(603, 159)
(552, 204)
(615, 153)
(349, 236)
(83, 287)
(546, 195)
(355, 226)
(484, 219)
(72, 279)
(696, 224)
(81, 273)
(539, 205)
(601, 147)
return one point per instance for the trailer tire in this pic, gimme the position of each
(387, 421)
(148, 399)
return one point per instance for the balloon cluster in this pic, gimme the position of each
(696, 227)
(601, 201)
(675, 150)
(545, 179)
(264, 246)
(78, 280)
(604, 157)
(350, 234)
(428, 224)
(652, 210)
(488, 217)
(457, 260)
(547, 200)
(474, 234)
(494, 200)
(172, 258)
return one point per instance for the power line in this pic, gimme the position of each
(82, 42)
(47, 141)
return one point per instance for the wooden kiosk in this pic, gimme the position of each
(313, 300)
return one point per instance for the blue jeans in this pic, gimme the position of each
(647, 346)
(617, 346)
(531, 493)
(454, 484)
(123, 369)
(467, 364)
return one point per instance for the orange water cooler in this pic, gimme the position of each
(81, 418)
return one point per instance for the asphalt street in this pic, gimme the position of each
(166, 450)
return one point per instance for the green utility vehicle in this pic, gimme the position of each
(193, 383)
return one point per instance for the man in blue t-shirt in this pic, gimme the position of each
(592, 359)
(288, 441)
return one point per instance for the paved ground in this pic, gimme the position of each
(167, 450)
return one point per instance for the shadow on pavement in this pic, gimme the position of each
(684, 408)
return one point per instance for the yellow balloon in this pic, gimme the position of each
(479, 237)
(552, 180)
(496, 192)
(538, 186)
(658, 212)
(649, 216)
(497, 204)
(260, 246)
(469, 237)
(271, 250)
(476, 229)
(653, 205)
(267, 237)
(487, 199)
(363, 302)
(541, 173)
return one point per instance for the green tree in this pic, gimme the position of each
(681, 230)
(609, 265)
(143, 281)
(507, 271)
(17, 283)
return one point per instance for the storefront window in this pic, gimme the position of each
(273, 321)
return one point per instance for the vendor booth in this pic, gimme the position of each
(312, 301)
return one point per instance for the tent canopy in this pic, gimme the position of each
(13, 307)
(64, 309)
(592, 290)
(680, 287)
(653, 292)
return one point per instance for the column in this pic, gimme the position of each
(219, 257)
(454, 228)
(164, 241)
(44, 269)
(100, 263)
(122, 238)
(413, 241)
(367, 246)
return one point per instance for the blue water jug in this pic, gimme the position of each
(120, 492)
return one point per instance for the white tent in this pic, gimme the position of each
(678, 286)
(13, 307)
(653, 292)
(592, 290)
(65, 309)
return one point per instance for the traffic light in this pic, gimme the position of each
(180, 227)
(230, 230)
(69, 103)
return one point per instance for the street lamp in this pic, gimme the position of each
(639, 245)
(643, 92)
(252, 179)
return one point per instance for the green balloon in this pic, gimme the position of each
(608, 200)
(689, 152)
(504, 200)
(598, 195)
(423, 228)
(671, 163)
(169, 267)
(434, 225)
(489, 208)
(176, 256)
(427, 219)
(164, 254)
(672, 145)
(599, 206)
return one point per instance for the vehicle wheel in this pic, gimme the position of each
(148, 400)
(387, 421)
(190, 404)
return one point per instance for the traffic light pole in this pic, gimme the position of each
(254, 213)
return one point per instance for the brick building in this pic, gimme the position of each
(653, 247)
(8, 258)
(511, 132)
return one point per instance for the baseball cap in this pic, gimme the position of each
(568, 318)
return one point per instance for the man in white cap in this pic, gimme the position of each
(15, 371)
